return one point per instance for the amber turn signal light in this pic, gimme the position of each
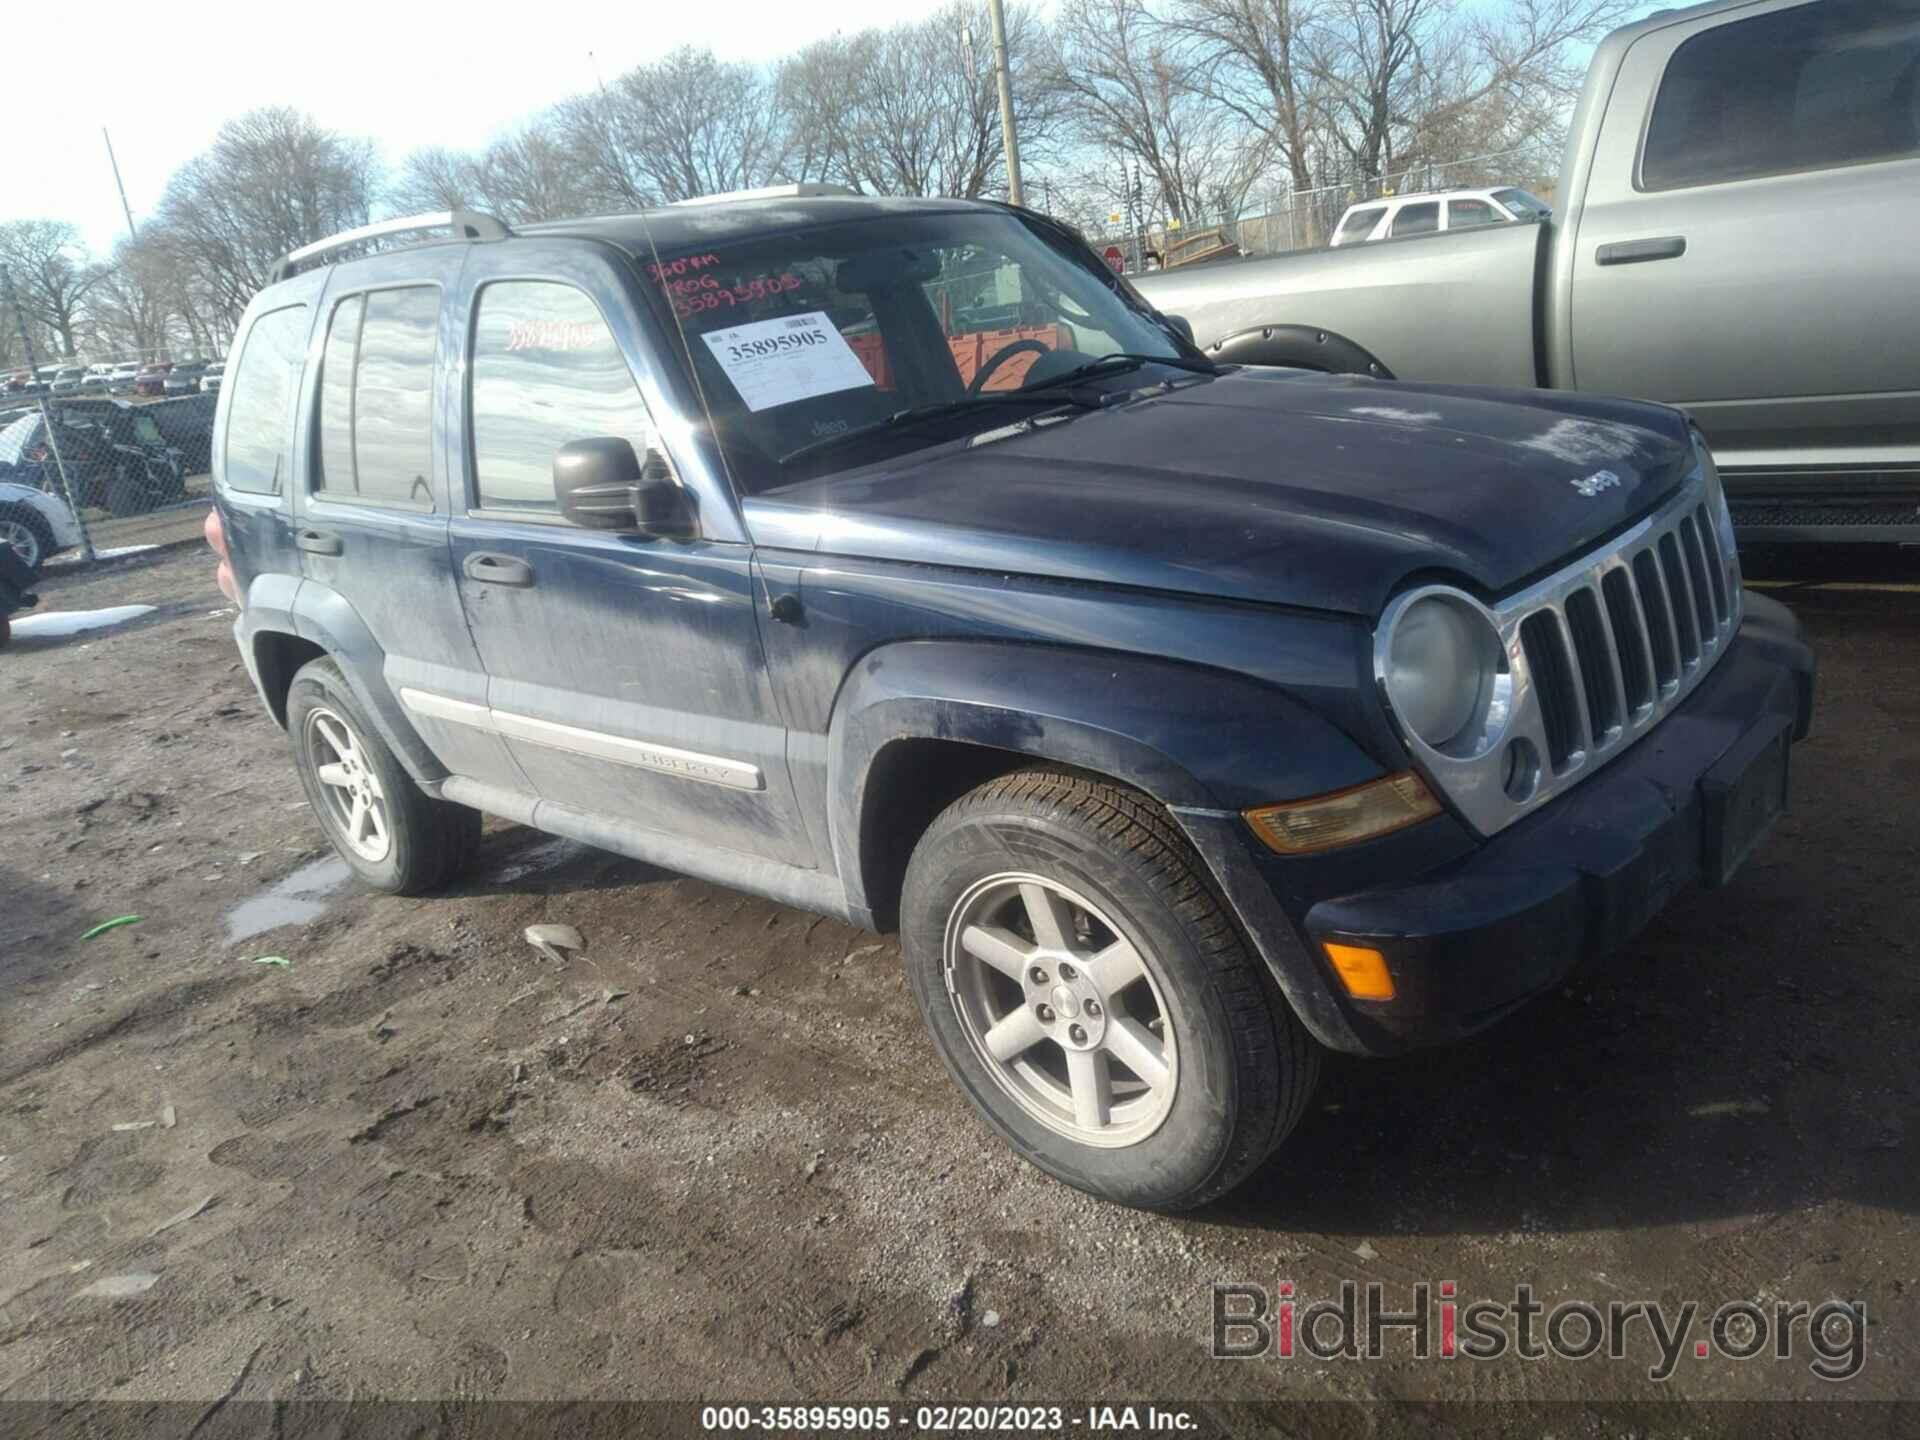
(1360, 812)
(1362, 970)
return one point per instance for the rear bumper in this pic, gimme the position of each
(1468, 942)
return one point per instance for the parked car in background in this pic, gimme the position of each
(184, 378)
(151, 379)
(186, 425)
(1423, 214)
(1733, 234)
(67, 380)
(34, 524)
(1186, 720)
(115, 455)
(210, 382)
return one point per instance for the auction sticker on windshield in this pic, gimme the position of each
(775, 362)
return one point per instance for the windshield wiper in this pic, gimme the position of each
(920, 414)
(1119, 361)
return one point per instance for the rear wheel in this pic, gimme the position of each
(1092, 996)
(394, 835)
(26, 534)
(128, 494)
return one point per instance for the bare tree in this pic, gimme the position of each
(1138, 91)
(532, 174)
(1406, 76)
(52, 275)
(686, 125)
(272, 181)
(1254, 59)
(435, 178)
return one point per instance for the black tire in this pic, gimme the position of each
(35, 525)
(1246, 1067)
(431, 840)
(128, 494)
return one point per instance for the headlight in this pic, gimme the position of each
(1721, 515)
(1440, 663)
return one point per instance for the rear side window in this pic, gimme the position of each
(376, 397)
(1462, 214)
(1810, 88)
(1359, 224)
(546, 371)
(1417, 219)
(257, 412)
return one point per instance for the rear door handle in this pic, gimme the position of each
(491, 569)
(318, 542)
(1635, 252)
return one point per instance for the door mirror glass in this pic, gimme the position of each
(601, 484)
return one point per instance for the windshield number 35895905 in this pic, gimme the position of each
(774, 344)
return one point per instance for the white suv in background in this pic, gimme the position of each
(1436, 210)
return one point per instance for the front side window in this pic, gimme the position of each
(1809, 88)
(806, 344)
(546, 372)
(376, 397)
(1464, 214)
(1524, 205)
(1419, 219)
(257, 413)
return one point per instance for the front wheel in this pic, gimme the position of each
(1088, 990)
(394, 835)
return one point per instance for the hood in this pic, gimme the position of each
(1279, 486)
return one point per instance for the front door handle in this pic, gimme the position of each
(1635, 252)
(318, 542)
(492, 569)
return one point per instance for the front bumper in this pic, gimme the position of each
(1470, 940)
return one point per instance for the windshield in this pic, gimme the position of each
(18, 438)
(808, 334)
(1523, 204)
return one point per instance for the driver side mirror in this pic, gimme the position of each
(601, 485)
(1180, 325)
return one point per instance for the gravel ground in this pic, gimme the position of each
(715, 1156)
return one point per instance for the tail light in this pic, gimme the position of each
(216, 532)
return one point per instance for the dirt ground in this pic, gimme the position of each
(715, 1156)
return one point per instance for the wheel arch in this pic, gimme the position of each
(919, 723)
(1303, 347)
(288, 622)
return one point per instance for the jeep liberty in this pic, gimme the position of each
(895, 560)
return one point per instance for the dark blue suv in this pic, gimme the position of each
(895, 560)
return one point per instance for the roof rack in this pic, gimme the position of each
(805, 190)
(465, 225)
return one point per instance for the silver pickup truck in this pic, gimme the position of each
(1737, 231)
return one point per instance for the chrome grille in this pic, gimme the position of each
(1596, 655)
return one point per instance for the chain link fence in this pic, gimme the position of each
(100, 458)
(1278, 222)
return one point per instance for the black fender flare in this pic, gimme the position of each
(1192, 737)
(319, 614)
(1302, 347)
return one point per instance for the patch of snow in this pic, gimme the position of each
(112, 552)
(45, 624)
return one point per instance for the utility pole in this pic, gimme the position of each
(46, 415)
(125, 208)
(997, 9)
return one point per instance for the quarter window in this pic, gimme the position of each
(376, 398)
(1809, 88)
(257, 413)
(1359, 224)
(546, 371)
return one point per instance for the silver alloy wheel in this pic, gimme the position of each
(355, 801)
(1062, 1008)
(22, 541)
